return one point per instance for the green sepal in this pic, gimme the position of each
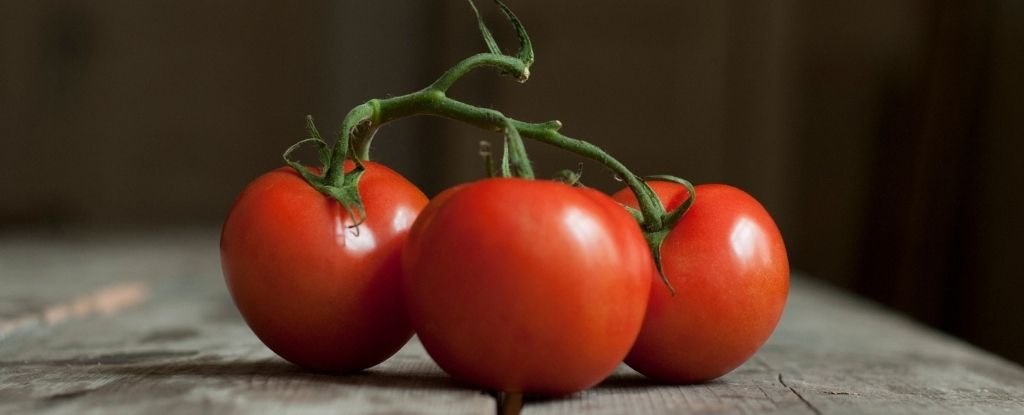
(572, 178)
(654, 241)
(636, 213)
(525, 53)
(310, 177)
(677, 213)
(656, 237)
(492, 45)
(348, 196)
(348, 193)
(322, 149)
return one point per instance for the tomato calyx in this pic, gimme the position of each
(673, 217)
(343, 188)
(655, 235)
(571, 177)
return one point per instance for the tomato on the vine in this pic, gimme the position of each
(318, 291)
(727, 261)
(526, 286)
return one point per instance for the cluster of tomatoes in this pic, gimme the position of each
(513, 285)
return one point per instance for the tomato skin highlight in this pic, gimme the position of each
(318, 293)
(526, 286)
(728, 263)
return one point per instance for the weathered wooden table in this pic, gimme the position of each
(143, 324)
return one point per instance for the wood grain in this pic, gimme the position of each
(177, 345)
(832, 354)
(186, 350)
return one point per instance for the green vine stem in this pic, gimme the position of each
(431, 101)
(362, 122)
(652, 216)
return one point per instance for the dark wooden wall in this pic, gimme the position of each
(883, 136)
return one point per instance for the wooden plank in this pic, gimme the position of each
(172, 342)
(45, 280)
(186, 350)
(831, 354)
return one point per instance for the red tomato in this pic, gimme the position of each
(727, 262)
(526, 286)
(318, 293)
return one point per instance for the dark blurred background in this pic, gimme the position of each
(885, 137)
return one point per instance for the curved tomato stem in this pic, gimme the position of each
(361, 116)
(520, 163)
(435, 102)
(362, 122)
